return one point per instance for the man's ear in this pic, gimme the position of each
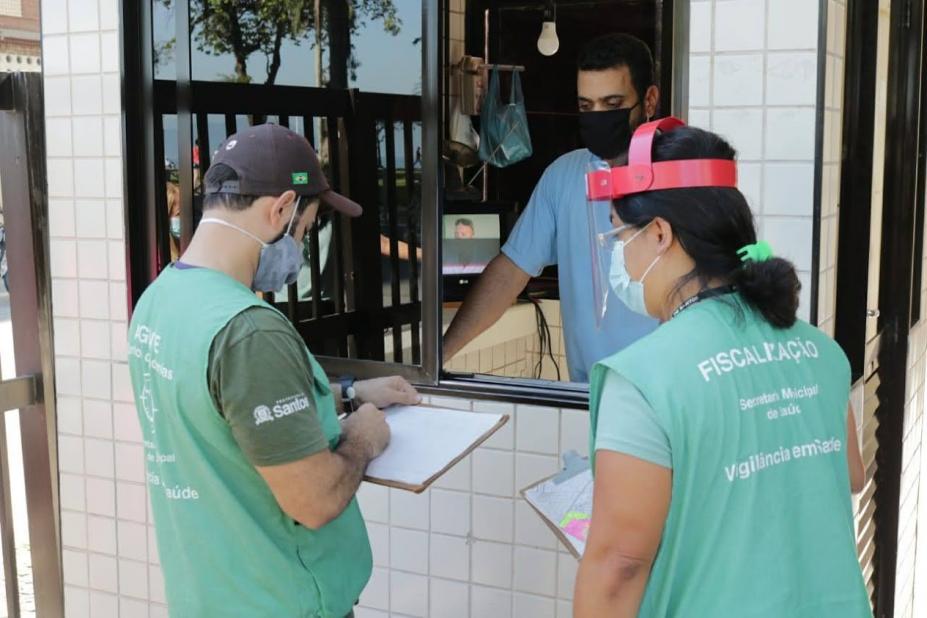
(280, 210)
(651, 102)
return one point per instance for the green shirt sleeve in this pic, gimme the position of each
(627, 424)
(262, 383)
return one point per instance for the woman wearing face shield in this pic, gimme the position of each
(724, 448)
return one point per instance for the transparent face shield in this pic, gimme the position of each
(598, 214)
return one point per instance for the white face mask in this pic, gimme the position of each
(280, 261)
(630, 292)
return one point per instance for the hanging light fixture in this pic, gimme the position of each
(548, 43)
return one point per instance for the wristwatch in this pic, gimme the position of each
(349, 402)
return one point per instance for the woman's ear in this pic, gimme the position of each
(663, 232)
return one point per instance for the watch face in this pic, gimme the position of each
(349, 393)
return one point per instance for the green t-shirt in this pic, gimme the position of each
(259, 343)
(627, 424)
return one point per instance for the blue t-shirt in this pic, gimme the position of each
(554, 229)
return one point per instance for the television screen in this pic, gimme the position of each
(470, 243)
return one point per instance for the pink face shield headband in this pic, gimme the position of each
(641, 174)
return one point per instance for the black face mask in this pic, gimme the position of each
(607, 135)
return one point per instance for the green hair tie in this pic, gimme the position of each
(757, 252)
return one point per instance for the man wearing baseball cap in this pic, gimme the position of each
(252, 476)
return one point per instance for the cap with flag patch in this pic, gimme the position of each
(270, 160)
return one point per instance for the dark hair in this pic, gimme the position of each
(620, 50)
(712, 224)
(464, 221)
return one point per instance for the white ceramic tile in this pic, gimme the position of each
(74, 564)
(57, 95)
(789, 189)
(537, 429)
(530, 529)
(122, 383)
(738, 80)
(453, 403)
(132, 503)
(71, 454)
(88, 136)
(700, 118)
(374, 502)
(58, 137)
(118, 302)
(109, 44)
(574, 431)
(366, 612)
(98, 422)
(125, 423)
(91, 218)
(566, 575)
(804, 296)
(104, 605)
(532, 606)
(530, 469)
(504, 438)
(67, 376)
(73, 494)
(450, 512)
(94, 339)
(99, 457)
(101, 535)
(109, 14)
(450, 557)
(485, 602)
(114, 219)
(409, 510)
(63, 254)
(133, 540)
(699, 81)
(379, 543)
(700, 27)
(70, 418)
(493, 472)
(101, 497)
(409, 550)
(94, 299)
(55, 55)
(408, 594)
(110, 94)
(743, 129)
(54, 17)
(60, 219)
(749, 181)
(114, 178)
(449, 599)
(790, 134)
(791, 239)
(67, 337)
(376, 593)
(76, 602)
(104, 573)
(120, 345)
(133, 607)
(492, 563)
(95, 379)
(92, 259)
(130, 462)
(739, 25)
(88, 178)
(153, 557)
(535, 571)
(60, 178)
(564, 609)
(493, 518)
(83, 15)
(86, 95)
(791, 78)
(85, 53)
(133, 579)
(457, 477)
(112, 136)
(793, 24)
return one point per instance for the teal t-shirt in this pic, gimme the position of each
(627, 424)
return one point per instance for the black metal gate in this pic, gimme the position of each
(25, 204)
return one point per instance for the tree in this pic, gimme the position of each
(242, 27)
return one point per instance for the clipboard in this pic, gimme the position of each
(426, 442)
(566, 476)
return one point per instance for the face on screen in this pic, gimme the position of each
(471, 242)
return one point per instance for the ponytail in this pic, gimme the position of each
(770, 287)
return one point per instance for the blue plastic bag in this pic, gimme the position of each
(504, 135)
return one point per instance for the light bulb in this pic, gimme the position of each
(548, 43)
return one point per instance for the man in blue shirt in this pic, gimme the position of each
(615, 94)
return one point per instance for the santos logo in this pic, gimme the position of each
(284, 407)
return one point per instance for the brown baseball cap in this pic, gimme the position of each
(270, 160)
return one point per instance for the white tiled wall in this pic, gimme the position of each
(753, 79)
